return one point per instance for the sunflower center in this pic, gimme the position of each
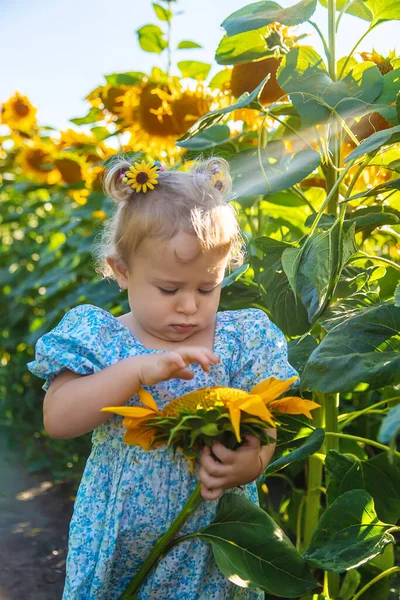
(142, 177)
(21, 109)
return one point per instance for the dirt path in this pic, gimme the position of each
(34, 518)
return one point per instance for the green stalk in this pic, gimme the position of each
(314, 478)
(162, 543)
(375, 580)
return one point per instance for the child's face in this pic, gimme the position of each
(173, 287)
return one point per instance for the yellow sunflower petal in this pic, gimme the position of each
(256, 407)
(129, 411)
(271, 388)
(235, 420)
(147, 399)
(139, 437)
(294, 406)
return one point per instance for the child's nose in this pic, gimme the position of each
(187, 304)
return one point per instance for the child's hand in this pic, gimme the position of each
(237, 467)
(168, 365)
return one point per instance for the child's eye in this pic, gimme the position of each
(206, 291)
(164, 291)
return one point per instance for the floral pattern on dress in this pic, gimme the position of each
(128, 497)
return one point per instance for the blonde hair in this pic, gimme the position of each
(181, 201)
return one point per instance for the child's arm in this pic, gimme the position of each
(73, 402)
(236, 467)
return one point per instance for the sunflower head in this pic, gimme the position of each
(18, 113)
(383, 63)
(142, 176)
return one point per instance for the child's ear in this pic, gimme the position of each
(120, 270)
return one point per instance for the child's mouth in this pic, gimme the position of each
(182, 328)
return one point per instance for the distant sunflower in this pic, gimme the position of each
(71, 167)
(37, 162)
(247, 76)
(142, 176)
(18, 113)
(158, 114)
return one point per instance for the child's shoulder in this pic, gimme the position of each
(243, 318)
(86, 316)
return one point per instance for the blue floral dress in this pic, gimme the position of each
(128, 497)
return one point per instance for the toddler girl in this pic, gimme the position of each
(169, 243)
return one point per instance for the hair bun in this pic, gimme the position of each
(114, 187)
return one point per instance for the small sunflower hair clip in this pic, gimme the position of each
(217, 178)
(143, 176)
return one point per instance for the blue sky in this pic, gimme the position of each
(55, 52)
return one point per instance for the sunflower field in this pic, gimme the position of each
(313, 144)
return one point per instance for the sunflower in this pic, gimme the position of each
(215, 411)
(156, 114)
(142, 176)
(247, 76)
(72, 167)
(18, 113)
(36, 159)
(384, 63)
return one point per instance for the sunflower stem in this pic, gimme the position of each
(161, 546)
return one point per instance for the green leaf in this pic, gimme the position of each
(187, 44)
(347, 308)
(194, 69)
(376, 11)
(390, 90)
(243, 47)
(348, 533)
(377, 476)
(359, 8)
(100, 133)
(388, 186)
(287, 311)
(130, 78)
(220, 79)
(282, 172)
(312, 444)
(398, 107)
(300, 350)
(303, 75)
(235, 275)
(151, 39)
(259, 14)
(94, 115)
(246, 100)
(361, 349)
(390, 427)
(397, 296)
(162, 13)
(216, 135)
(375, 141)
(252, 551)
(350, 585)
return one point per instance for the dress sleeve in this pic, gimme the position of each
(76, 343)
(262, 352)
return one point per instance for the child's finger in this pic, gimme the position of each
(203, 356)
(210, 494)
(225, 455)
(211, 466)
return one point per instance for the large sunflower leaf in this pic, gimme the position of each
(348, 533)
(377, 476)
(256, 15)
(303, 75)
(252, 551)
(209, 138)
(361, 349)
(281, 172)
(311, 445)
(242, 47)
(376, 11)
